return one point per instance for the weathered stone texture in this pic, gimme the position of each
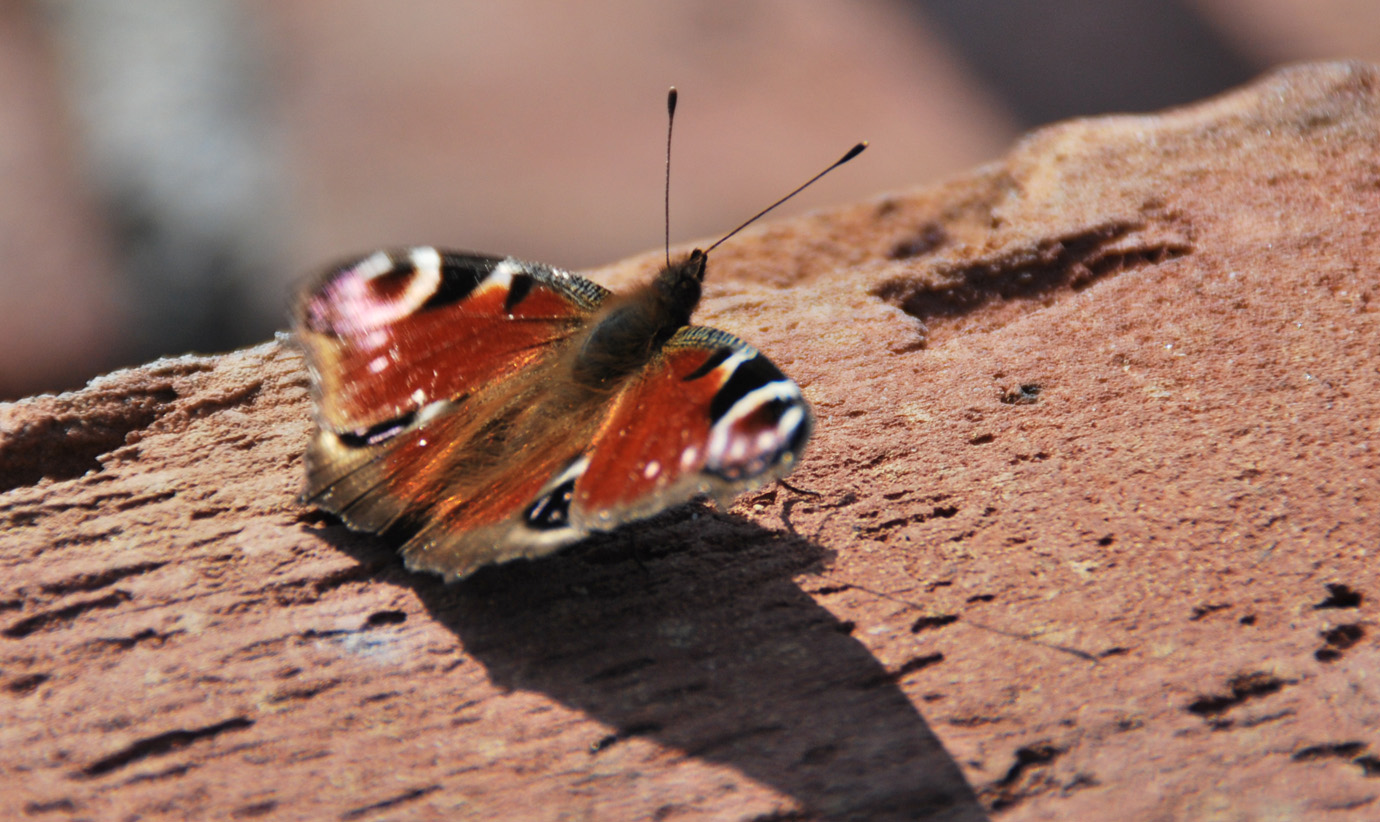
(1086, 532)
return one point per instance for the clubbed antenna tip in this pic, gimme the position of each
(852, 152)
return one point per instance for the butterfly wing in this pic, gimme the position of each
(708, 414)
(398, 340)
(448, 416)
(389, 333)
(711, 415)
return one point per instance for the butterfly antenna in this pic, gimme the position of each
(670, 121)
(852, 152)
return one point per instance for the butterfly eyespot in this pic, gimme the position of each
(362, 300)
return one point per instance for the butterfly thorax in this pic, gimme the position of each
(631, 329)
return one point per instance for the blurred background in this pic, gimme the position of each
(170, 169)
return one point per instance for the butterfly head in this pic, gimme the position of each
(678, 285)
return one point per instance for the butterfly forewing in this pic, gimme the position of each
(390, 333)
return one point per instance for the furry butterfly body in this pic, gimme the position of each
(484, 409)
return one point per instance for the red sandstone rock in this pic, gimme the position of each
(1088, 532)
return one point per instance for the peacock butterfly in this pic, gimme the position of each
(482, 409)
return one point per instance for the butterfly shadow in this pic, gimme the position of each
(689, 629)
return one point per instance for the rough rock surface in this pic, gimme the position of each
(1085, 533)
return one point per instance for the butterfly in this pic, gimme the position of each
(482, 409)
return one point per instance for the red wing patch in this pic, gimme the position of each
(388, 334)
(710, 414)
